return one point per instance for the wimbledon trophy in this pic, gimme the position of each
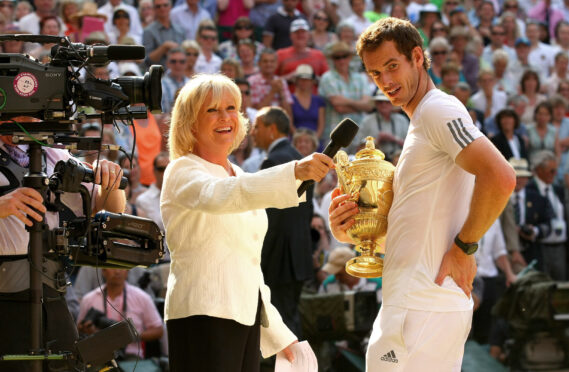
(369, 181)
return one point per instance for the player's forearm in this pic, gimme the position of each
(490, 196)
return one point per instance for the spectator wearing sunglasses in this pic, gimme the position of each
(347, 93)
(243, 30)
(208, 62)
(161, 35)
(174, 78)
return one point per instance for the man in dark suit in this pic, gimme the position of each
(286, 259)
(545, 215)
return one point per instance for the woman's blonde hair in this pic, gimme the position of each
(192, 97)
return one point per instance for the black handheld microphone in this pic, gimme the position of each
(341, 136)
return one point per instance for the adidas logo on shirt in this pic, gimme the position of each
(390, 357)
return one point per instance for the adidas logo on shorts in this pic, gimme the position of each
(390, 357)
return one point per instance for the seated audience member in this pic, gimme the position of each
(188, 16)
(320, 36)
(545, 229)
(49, 25)
(439, 49)
(357, 19)
(174, 78)
(462, 92)
(450, 77)
(231, 68)
(530, 88)
(147, 13)
(161, 35)
(459, 37)
(347, 93)
(489, 99)
(340, 281)
(267, 89)
(246, 52)
(504, 79)
(520, 64)
(558, 74)
(276, 32)
(305, 141)
(389, 128)
(299, 53)
(542, 134)
(507, 141)
(208, 61)
(121, 28)
(192, 50)
(308, 109)
(125, 302)
(242, 30)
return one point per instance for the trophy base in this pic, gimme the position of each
(365, 267)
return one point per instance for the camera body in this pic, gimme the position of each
(98, 318)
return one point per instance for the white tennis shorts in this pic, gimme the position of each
(412, 340)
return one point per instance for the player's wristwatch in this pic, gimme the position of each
(468, 248)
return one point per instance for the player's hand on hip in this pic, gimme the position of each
(313, 167)
(341, 213)
(460, 267)
(21, 202)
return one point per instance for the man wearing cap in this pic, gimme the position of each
(389, 128)
(347, 93)
(520, 64)
(299, 53)
(276, 33)
(340, 281)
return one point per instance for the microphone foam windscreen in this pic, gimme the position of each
(344, 132)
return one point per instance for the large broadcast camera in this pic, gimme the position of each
(53, 91)
(51, 94)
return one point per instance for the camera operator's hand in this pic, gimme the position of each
(107, 174)
(86, 327)
(21, 202)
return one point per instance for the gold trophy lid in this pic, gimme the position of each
(370, 152)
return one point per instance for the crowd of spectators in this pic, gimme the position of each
(506, 61)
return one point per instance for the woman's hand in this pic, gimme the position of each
(313, 167)
(288, 352)
(341, 214)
